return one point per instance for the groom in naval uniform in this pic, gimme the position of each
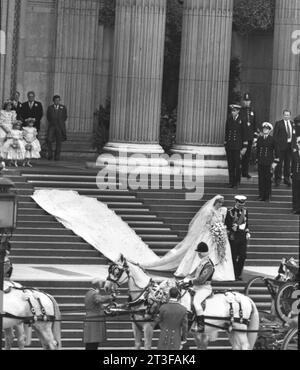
(238, 232)
(201, 283)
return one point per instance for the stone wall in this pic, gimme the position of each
(256, 55)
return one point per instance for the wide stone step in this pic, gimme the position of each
(57, 260)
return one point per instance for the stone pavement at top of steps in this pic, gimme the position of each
(88, 272)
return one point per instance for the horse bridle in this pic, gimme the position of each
(112, 271)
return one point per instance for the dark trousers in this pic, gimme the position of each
(296, 195)
(238, 252)
(54, 135)
(285, 158)
(246, 159)
(234, 166)
(264, 181)
(91, 346)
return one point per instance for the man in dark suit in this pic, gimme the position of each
(56, 116)
(283, 135)
(296, 177)
(235, 144)
(173, 322)
(94, 325)
(32, 109)
(248, 116)
(17, 105)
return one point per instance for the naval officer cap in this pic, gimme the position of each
(267, 125)
(240, 198)
(235, 106)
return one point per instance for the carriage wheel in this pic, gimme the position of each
(257, 290)
(284, 300)
(290, 341)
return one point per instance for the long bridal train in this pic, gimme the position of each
(99, 226)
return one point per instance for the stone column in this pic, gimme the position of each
(285, 90)
(9, 27)
(137, 76)
(204, 76)
(75, 61)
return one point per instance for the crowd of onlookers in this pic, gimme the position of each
(20, 125)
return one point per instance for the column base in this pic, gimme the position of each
(114, 147)
(218, 151)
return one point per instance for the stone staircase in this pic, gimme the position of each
(159, 217)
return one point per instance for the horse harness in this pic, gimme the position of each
(29, 320)
(231, 319)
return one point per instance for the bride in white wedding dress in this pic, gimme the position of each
(109, 234)
(206, 226)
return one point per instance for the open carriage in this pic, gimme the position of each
(275, 333)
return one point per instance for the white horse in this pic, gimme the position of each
(229, 311)
(23, 307)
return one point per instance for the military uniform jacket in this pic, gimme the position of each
(237, 217)
(235, 133)
(296, 165)
(266, 150)
(95, 332)
(173, 324)
(204, 272)
(249, 119)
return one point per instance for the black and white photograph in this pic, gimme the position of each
(149, 177)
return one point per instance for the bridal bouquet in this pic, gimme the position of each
(218, 232)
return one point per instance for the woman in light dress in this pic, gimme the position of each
(14, 147)
(32, 144)
(7, 118)
(207, 226)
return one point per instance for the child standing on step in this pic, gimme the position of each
(32, 144)
(14, 148)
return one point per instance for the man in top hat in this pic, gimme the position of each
(296, 177)
(201, 282)
(249, 118)
(267, 159)
(238, 233)
(235, 144)
(284, 131)
(94, 326)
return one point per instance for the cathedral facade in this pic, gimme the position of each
(59, 47)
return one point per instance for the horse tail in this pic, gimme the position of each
(28, 334)
(56, 326)
(253, 325)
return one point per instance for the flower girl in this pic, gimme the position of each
(14, 148)
(32, 144)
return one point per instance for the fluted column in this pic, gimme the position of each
(137, 76)
(204, 74)
(75, 61)
(285, 90)
(9, 23)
